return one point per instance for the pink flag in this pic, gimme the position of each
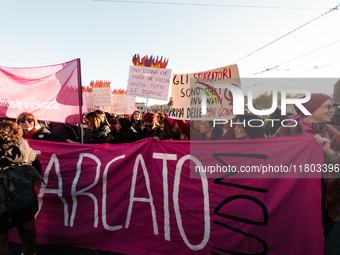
(51, 93)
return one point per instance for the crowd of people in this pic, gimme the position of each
(102, 127)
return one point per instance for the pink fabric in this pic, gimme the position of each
(313, 128)
(139, 198)
(172, 122)
(51, 93)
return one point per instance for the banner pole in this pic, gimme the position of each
(82, 133)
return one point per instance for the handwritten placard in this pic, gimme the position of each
(122, 104)
(149, 82)
(88, 102)
(188, 90)
(102, 96)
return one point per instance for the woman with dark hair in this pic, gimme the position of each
(244, 130)
(98, 130)
(160, 119)
(126, 133)
(327, 137)
(32, 129)
(151, 127)
(207, 130)
(246, 126)
(14, 150)
(270, 128)
(136, 121)
(170, 130)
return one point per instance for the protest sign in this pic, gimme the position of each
(102, 96)
(122, 104)
(196, 91)
(149, 82)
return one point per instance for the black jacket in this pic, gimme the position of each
(101, 135)
(43, 134)
(126, 135)
(18, 152)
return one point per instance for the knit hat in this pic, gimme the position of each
(150, 117)
(172, 122)
(316, 100)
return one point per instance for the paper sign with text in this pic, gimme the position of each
(102, 96)
(122, 104)
(188, 91)
(149, 82)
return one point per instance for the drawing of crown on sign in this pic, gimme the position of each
(149, 62)
(98, 84)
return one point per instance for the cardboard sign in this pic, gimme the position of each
(122, 104)
(188, 90)
(149, 82)
(102, 96)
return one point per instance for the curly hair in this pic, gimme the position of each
(10, 132)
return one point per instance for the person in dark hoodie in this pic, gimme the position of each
(126, 132)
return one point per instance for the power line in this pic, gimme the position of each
(273, 68)
(316, 68)
(211, 5)
(335, 8)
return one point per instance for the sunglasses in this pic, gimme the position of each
(148, 126)
(29, 120)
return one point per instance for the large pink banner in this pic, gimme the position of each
(51, 93)
(140, 199)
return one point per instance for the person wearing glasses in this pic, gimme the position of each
(125, 132)
(151, 127)
(98, 131)
(327, 137)
(32, 129)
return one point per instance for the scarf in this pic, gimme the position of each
(30, 134)
(313, 128)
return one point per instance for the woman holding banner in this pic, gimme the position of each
(32, 129)
(244, 130)
(97, 130)
(126, 133)
(151, 127)
(327, 136)
(136, 121)
(207, 130)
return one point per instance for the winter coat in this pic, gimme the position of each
(126, 135)
(18, 152)
(40, 134)
(101, 135)
(64, 131)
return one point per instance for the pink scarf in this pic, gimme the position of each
(313, 128)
